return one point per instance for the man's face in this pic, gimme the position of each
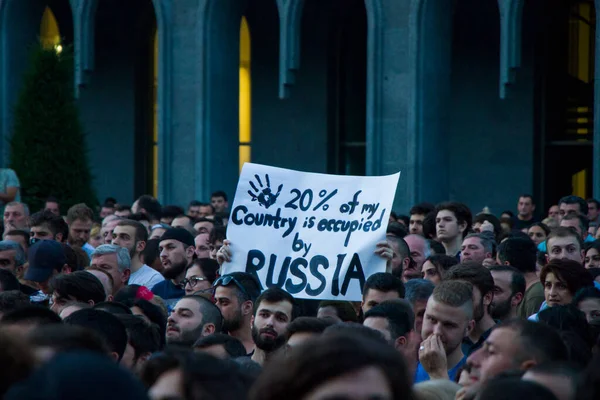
(416, 244)
(124, 236)
(7, 260)
(205, 211)
(108, 263)
(566, 248)
(106, 211)
(447, 226)
(379, 324)
(592, 211)
(554, 212)
(174, 257)
(269, 324)
(79, 232)
(185, 322)
(568, 209)
(42, 232)
(14, 216)
(328, 312)
(374, 297)
(419, 308)
(472, 250)
(231, 309)
(214, 248)
(194, 211)
(53, 208)
(501, 303)
(202, 246)
(219, 204)
(573, 223)
(416, 224)
(398, 263)
(20, 240)
(204, 227)
(525, 206)
(107, 231)
(497, 355)
(449, 323)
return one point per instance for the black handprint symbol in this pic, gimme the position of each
(264, 195)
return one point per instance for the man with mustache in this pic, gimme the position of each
(176, 249)
(274, 309)
(192, 318)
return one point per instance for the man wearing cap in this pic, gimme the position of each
(176, 249)
(46, 259)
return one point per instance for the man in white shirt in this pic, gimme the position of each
(132, 235)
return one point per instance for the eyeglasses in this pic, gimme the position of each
(192, 281)
(226, 280)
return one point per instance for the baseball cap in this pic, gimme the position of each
(180, 235)
(44, 257)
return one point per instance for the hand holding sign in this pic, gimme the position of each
(314, 237)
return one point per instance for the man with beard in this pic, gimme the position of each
(273, 311)
(133, 236)
(483, 294)
(402, 266)
(176, 249)
(235, 295)
(509, 289)
(80, 218)
(192, 318)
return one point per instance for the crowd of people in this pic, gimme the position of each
(128, 302)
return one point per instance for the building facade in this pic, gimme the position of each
(477, 101)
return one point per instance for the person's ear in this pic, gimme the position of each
(252, 321)
(208, 329)
(470, 327)
(91, 303)
(525, 365)
(547, 258)
(140, 246)
(126, 275)
(190, 251)
(19, 270)
(247, 307)
(144, 357)
(110, 298)
(114, 356)
(516, 299)
(66, 269)
(462, 226)
(400, 342)
(59, 237)
(487, 299)
(488, 255)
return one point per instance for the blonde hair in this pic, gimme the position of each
(551, 223)
(437, 389)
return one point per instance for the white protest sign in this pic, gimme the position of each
(313, 235)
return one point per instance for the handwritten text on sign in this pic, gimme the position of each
(311, 234)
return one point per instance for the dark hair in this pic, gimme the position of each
(403, 218)
(151, 205)
(151, 252)
(583, 207)
(325, 358)
(63, 337)
(106, 324)
(475, 274)
(429, 225)
(19, 232)
(589, 388)
(436, 247)
(422, 209)
(141, 233)
(596, 202)
(122, 207)
(210, 312)
(384, 282)
(113, 307)
(8, 281)
(154, 314)
(143, 336)
(517, 282)
(492, 219)
(570, 272)
(344, 309)
(250, 284)
(139, 217)
(195, 203)
(171, 211)
(275, 294)
(54, 223)
(71, 257)
(584, 222)
(17, 361)
(519, 253)
(79, 285)
(209, 267)
(455, 293)
(567, 318)
(589, 292)
(396, 229)
(308, 325)
(232, 346)
(217, 234)
(51, 199)
(127, 294)
(399, 315)
(538, 341)
(507, 212)
(418, 290)
(32, 314)
(219, 193)
(592, 245)
(461, 212)
(442, 262)
(355, 329)
(515, 388)
(544, 227)
(12, 300)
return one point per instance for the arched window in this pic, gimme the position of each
(245, 95)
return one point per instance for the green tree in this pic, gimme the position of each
(47, 146)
